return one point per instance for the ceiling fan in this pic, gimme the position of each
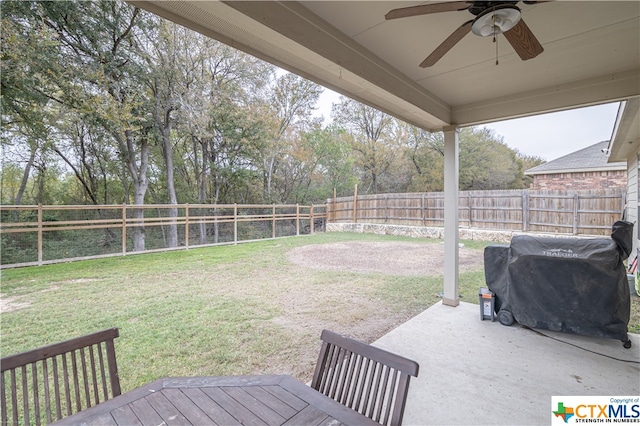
(491, 18)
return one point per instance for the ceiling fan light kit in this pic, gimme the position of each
(496, 20)
(490, 19)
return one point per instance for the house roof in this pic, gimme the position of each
(591, 158)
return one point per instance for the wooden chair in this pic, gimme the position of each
(55, 381)
(367, 379)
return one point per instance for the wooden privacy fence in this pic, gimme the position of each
(564, 212)
(37, 235)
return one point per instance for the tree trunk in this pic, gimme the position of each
(168, 158)
(140, 184)
(24, 181)
(201, 181)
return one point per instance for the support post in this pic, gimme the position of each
(451, 238)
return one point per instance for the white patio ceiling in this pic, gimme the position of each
(591, 54)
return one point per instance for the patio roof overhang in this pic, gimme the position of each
(625, 141)
(591, 56)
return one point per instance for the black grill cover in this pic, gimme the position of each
(564, 284)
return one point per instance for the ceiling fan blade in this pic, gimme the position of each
(523, 41)
(446, 45)
(425, 9)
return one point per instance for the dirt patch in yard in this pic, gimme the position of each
(13, 303)
(347, 305)
(393, 258)
(8, 304)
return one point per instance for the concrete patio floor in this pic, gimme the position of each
(475, 372)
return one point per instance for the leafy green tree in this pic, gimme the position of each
(165, 49)
(86, 150)
(89, 67)
(292, 100)
(369, 129)
(330, 148)
(486, 163)
(222, 121)
(424, 153)
(525, 162)
(27, 51)
(10, 179)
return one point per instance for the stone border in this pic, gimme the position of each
(438, 233)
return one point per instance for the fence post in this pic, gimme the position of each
(526, 212)
(235, 223)
(124, 229)
(386, 208)
(469, 197)
(576, 201)
(297, 219)
(186, 226)
(355, 204)
(273, 222)
(39, 234)
(334, 203)
(311, 220)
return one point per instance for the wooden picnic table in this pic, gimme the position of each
(231, 400)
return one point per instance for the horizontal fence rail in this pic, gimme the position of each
(37, 235)
(564, 212)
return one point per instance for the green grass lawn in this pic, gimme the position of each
(242, 309)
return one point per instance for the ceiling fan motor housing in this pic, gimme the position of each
(480, 6)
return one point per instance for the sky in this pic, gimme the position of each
(548, 136)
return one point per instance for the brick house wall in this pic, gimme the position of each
(580, 180)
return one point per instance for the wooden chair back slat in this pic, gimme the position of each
(36, 400)
(3, 402)
(348, 375)
(56, 388)
(45, 373)
(65, 381)
(102, 373)
(25, 391)
(382, 391)
(48, 383)
(14, 396)
(94, 375)
(111, 360)
(369, 380)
